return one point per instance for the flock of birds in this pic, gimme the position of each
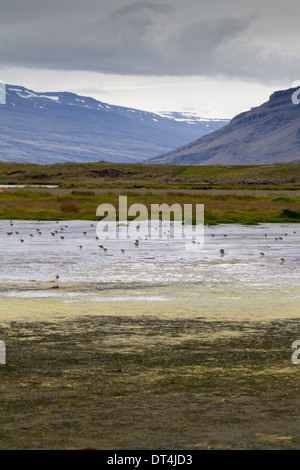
(282, 260)
(136, 243)
(59, 232)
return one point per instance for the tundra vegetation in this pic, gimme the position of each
(247, 194)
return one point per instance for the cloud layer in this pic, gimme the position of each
(253, 40)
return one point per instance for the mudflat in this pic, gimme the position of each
(109, 380)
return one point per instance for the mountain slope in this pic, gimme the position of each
(59, 127)
(269, 133)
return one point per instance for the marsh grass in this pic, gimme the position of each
(69, 208)
(78, 194)
(219, 208)
(136, 176)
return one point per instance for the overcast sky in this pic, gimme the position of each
(218, 57)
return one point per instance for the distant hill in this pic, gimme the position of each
(60, 127)
(267, 134)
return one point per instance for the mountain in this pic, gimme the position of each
(60, 127)
(269, 133)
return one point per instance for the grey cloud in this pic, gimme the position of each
(141, 7)
(203, 41)
(149, 37)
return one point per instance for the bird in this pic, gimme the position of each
(57, 277)
(262, 254)
(80, 246)
(22, 241)
(282, 260)
(122, 250)
(222, 252)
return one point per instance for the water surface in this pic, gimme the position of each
(257, 278)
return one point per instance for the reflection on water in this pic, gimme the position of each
(20, 186)
(260, 263)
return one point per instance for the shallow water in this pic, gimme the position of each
(159, 278)
(21, 186)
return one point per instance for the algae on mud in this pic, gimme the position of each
(172, 385)
(142, 366)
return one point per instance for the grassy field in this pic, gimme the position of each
(231, 194)
(128, 176)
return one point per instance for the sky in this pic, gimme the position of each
(216, 58)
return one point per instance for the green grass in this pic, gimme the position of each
(219, 208)
(253, 194)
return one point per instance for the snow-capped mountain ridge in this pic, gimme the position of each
(53, 127)
(191, 117)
